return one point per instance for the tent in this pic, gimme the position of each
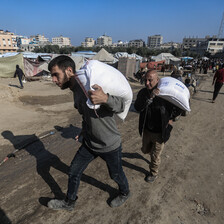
(169, 58)
(126, 55)
(104, 56)
(8, 65)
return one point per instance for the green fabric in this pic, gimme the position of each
(8, 65)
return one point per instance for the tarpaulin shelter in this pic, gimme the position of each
(155, 64)
(169, 58)
(32, 68)
(8, 65)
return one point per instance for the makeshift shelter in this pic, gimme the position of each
(8, 65)
(127, 66)
(125, 54)
(79, 61)
(32, 68)
(169, 58)
(104, 56)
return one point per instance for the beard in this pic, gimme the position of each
(66, 82)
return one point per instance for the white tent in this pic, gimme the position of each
(169, 58)
(104, 56)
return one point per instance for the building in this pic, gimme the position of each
(61, 41)
(21, 40)
(170, 45)
(136, 43)
(104, 40)
(189, 42)
(120, 44)
(39, 38)
(208, 44)
(215, 45)
(155, 41)
(89, 42)
(7, 42)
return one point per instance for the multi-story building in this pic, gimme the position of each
(104, 40)
(61, 41)
(22, 40)
(136, 43)
(215, 45)
(170, 45)
(189, 42)
(120, 44)
(7, 42)
(89, 42)
(155, 41)
(208, 44)
(39, 38)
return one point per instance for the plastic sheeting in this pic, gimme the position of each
(8, 65)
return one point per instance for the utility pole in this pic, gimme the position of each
(221, 27)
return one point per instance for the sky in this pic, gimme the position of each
(121, 19)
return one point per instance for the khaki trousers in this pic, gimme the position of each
(153, 145)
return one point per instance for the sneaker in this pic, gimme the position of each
(150, 178)
(61, 204)
(119, 200)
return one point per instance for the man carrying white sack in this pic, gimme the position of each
(99, 131)
(155, 121)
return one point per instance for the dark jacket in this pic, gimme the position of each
(19, 72)
(168, 111)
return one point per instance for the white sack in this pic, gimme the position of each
(110, 79)
(175, 92)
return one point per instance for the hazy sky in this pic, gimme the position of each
(121, 19)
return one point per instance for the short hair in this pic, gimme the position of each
(62, 62)
(17, 66)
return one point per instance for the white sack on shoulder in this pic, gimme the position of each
(175, 92)
(110, 79)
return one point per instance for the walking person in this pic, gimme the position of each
(20, 74)
(218, 80)
(99, 131)
(155, 122)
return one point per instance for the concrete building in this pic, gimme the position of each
(120, 44)
(104, 40)
(89, 42)
(136, 43)
(7, 42)
(21, 40)
(189, 42)
(215, 45)
(39, 38)
(155, 41)
(170, 45)
(61, 41)
(208, 44)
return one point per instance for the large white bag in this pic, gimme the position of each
(110, 79)
(175, 92)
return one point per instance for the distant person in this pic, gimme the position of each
(20, 74)
(218, 80)
(155, 122)
(99, 132)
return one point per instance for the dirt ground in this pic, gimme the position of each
(189, 188)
